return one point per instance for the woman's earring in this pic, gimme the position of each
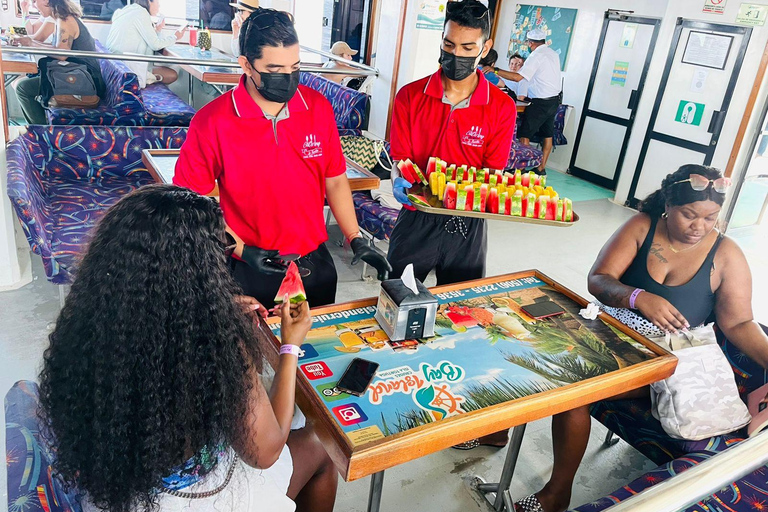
(664, 215)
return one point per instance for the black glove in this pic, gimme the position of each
(264, 261)
(370, 255)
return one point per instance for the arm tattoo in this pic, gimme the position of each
(613, 298)
(656, 251)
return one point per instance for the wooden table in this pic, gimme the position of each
(490, 368)
(161, 164)
(18, 64)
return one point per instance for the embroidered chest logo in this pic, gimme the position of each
(312, 147)
(474, 137)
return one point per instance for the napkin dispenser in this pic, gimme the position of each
(403, 314)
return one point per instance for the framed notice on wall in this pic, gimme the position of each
(707, 50)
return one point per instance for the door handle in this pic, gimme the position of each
(632, 105)
(716, 123)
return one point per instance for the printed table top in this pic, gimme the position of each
(489, 367)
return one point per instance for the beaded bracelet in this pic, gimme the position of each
(290, 349)
(633, 297)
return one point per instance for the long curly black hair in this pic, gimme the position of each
(151, 358)
(673, 193)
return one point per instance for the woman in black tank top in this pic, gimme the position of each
(70, 34)
(672, 267)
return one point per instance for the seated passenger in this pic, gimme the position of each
(518, 90)
(688, 274)
(243, 9)
(150, 385)
(69, 34)
(488, 67)
(41, 29)
(340, 49)
(132, 31)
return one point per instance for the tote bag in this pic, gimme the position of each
(700, 399)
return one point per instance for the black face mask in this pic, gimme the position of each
(457, 68)
(278, 87)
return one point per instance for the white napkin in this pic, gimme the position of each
(590, 312)
(409, 280)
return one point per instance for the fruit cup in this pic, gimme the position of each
(493, 200)
(541, 207)
(559, 210)
(531, 205)
(483, 198)
(567, 210)
(461, 200)
(470, 198)
(449, 199)
(516, 206)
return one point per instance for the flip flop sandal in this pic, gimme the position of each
(469, 445)
(529, 504)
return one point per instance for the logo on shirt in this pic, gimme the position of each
(312, 147)
(474, 137)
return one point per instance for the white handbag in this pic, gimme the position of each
(700, 399)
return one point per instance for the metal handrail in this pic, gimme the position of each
(56, 52)
(700, 481)
(339, 59)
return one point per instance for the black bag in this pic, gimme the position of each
(67, 83)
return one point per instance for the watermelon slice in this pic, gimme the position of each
(291, 286)
(493, 200)
(483, 198)
(419, 200)
(449, 200)
(420, 175)
(407, 170)
(470, 198)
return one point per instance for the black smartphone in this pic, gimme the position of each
(539, 310)
(357, 376)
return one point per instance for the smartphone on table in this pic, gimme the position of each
(358, 376)
(541, 310)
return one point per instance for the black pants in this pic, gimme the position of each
(454, 246)
(320, 284)
(539, 118)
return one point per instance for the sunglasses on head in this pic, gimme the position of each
(476, 9)
(699, 183)
(265, 17)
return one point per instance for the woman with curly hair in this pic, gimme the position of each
(150, 390)
(667, 269)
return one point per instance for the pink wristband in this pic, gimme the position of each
(633, 297)
(290, 349)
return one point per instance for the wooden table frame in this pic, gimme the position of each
(370, 182)
(375, 457)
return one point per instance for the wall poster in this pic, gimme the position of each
(557, 23)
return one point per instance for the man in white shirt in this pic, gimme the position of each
(542, 70)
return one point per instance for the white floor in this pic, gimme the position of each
(437, 482)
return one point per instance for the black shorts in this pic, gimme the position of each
(539, 119)
(454, 246)
(320, 284)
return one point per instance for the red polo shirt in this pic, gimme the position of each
(271, 174)
(478, 134)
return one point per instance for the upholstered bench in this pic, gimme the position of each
(162, 107)
(350, 107)
(62, 178)
(122, 105)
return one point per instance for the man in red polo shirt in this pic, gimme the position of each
(273, 147)
(457, 115)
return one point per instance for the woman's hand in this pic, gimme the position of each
(21, 41)
(160, 26)
(659, 311)
(25, 5)
(251, 306)
(180, 33)
(295, 322)
(237, 22)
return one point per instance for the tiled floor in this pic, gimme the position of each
(565, 254)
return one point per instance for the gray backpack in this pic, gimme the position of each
(67, 84)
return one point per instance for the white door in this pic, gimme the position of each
(692, 103)
(618, 76)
